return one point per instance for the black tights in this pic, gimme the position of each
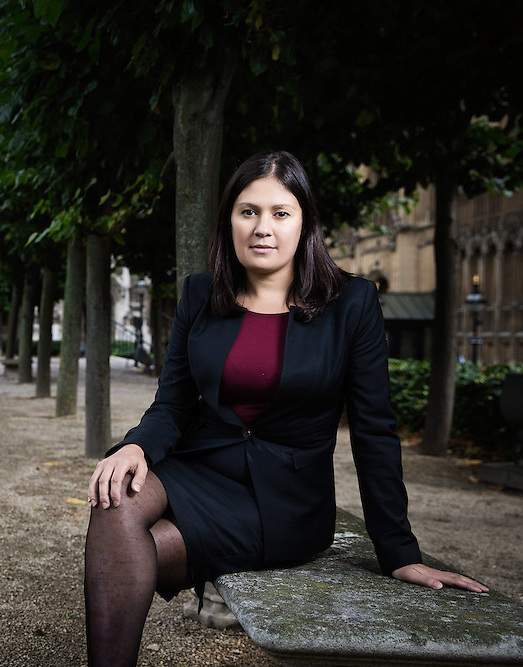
(131, 551)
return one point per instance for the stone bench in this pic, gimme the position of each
(339, 609)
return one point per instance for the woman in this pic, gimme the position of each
(230, 468)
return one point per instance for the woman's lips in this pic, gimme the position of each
(262, 249)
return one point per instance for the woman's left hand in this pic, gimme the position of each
(432, 578)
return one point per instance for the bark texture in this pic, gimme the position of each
(98, 346)
(67, 388)
(198, 101)
(12, 327)
(25, 372)
(45, 338)
(440, 406)
(156, 333)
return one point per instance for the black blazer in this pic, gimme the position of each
(341, 356)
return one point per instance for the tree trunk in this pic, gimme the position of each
(98, 346)
(156, 332)
(12, 328)
(440, 406)
(25, 372)
(198, 101)
(45, 339)
(67, 387)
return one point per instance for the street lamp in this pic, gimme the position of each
(140, 289)
(475, 301)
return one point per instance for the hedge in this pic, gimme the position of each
(477, 420)
(119, 348)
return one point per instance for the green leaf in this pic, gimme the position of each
(139, 45)
(90, 87)
(31, 238)
(104, 198)
(188, 11)
(258, 64)
(86, 37)
(50, 10)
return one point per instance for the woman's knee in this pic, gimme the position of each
(143, 508)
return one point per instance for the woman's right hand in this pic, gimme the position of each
(105, 486)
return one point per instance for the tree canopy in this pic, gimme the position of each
(87, 91)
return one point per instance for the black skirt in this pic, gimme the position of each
(211, 495)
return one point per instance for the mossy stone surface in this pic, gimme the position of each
(339, 608)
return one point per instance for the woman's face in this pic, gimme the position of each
(266, 223)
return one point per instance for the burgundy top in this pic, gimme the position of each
(252, 370)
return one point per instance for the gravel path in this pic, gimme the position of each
(43, 481)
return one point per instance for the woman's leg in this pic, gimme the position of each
(173, 568)
(121, 571)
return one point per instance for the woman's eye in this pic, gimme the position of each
(248, 212)
(281, 214)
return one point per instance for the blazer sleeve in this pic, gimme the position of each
(175, 405)
(376, 446)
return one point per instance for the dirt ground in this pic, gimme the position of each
(475, 527)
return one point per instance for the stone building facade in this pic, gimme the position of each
(491, 245)
(402, 265)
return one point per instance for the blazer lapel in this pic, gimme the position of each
(212, 344)
(289, 361)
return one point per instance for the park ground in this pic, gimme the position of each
(475, 527)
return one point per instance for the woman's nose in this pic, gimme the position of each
(263, 227)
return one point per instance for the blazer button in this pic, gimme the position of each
(246, 433)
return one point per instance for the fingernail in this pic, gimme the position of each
(105, 504)
(93, 502)
(137, 487)
(115, 503)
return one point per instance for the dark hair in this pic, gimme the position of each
(317, 279)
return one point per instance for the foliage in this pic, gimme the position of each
(343, 195)
(55, 349)
(123, 348)
(69, 109)
(478, 425)
(86, 97)
(440, 88)
(409, 388)
(5, 291)
(119, 348)
(477, 416)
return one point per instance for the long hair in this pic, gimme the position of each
(317, 279)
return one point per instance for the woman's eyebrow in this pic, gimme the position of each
(284, 206)
(274, 206)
